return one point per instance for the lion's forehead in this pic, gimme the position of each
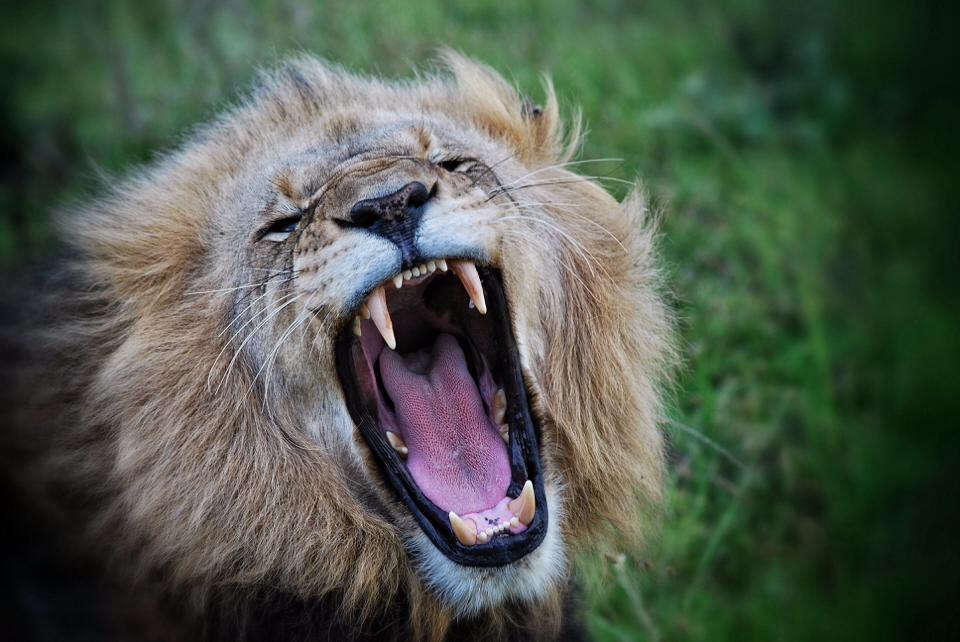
(298, 158)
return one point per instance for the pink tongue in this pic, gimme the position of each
(456, 454)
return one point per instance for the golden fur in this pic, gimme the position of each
(194, 450)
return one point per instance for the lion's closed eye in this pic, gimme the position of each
(280, 229)
(455, 164)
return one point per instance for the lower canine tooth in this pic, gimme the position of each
(499, 406)
(464, 529)
(525, 506)
(396, 442)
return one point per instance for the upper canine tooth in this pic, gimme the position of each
(525, 506)
(499, 406)
(397, 443)
(381, 316)
(442, 264)
(398, 281)
(467, 272)
(464, 529)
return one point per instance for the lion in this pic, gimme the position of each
(358, 358)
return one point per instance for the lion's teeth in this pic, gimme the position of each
(398, 281)
(467, 272)
(364, 311)
(356, 326)
(397, 443)
(407, 275)
(464, 529)
(415, 270)
(381, 316)
(432, 266)
(499, 406)
(514, 522)
(442, 264)
(482, 537)
(504, 433)
(525, 506)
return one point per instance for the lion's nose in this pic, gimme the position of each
(390, 208)
(395, 217)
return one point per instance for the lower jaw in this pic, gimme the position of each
(472, 590)
(523, 450)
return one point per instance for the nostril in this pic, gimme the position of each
(418, 194)
(367, 212)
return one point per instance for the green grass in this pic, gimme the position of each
(799, 155)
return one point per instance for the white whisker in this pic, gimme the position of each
(289, 298)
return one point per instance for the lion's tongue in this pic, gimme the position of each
(456, 456)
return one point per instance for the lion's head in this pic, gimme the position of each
(365, 337)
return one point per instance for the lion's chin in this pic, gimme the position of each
(432, 378)
(472, 590)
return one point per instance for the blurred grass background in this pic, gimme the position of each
(805, 156)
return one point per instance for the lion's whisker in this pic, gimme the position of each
(588, 257)
(488, 169)
(273, 352)
(288, 298)
(242, 312)
(558, 181)
(250, 334)
(248, 307)
(245, 286)
(565, 207)
(591, 260)
(560, 166)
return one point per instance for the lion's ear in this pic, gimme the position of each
(536, 133)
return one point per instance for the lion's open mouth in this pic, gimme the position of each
(446, 412)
